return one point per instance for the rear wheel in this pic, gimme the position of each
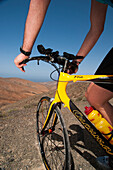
(53, 140)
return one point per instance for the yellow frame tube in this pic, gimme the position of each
(64, 78)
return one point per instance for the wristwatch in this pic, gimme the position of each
(25, 52)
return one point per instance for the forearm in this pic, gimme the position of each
(35, 18)
(97, 19)
(89, 42)
(34, 21)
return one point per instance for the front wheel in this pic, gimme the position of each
(53, 142)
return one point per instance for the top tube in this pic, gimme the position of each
(95, 78)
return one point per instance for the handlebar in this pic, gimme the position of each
(52, 58)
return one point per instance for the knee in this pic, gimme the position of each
(90, 97)
(87, 95)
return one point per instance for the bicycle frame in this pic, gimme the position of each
(61, 97)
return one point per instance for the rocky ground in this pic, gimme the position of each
(19, 145)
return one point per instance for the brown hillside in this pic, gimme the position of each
(14, 89)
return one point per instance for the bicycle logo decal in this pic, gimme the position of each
(92, 132)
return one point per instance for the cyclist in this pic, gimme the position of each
(96, 95)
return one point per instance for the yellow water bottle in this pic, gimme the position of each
(100, 123)
(105, 128)
(93, 115)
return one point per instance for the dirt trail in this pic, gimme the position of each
(19, 146)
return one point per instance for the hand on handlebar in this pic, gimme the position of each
(51, 58)
(72, 67)
(18, 60)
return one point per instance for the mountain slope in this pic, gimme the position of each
(14, 89)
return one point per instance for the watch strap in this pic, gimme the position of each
(25, 52)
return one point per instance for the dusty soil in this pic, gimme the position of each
(19, 146)
(15, 89)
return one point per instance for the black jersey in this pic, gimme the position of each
(106, 68)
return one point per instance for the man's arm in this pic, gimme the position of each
(34, 21)
(97, 18)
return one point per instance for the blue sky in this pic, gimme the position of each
(65, 27)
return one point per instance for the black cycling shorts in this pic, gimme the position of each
(106, 68)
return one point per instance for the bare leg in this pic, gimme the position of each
(99, 97)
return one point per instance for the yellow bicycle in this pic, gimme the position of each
(51, 130)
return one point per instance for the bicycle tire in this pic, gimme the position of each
(54, 145)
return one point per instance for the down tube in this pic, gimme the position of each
(91, 129)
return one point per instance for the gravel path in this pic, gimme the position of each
(19, 146)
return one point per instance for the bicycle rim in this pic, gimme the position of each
(54, 144)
